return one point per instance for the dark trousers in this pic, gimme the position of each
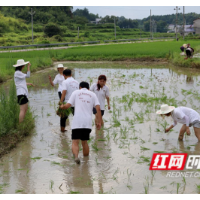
(188, 53)
(63, 119)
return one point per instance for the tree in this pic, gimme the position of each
(52, 29)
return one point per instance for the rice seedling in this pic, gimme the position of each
(55, 163)
(153, 173)
(142, 141)
(184, 181)
(155, 143)
(198, 188)
(146, 185)
(131, 156)
(19, 191)
(163, 187)
(143, 159)
(36, 158)
(95, 148)
(51, 184)
(144, 148)
(178, 185)
(129, 187)
(159, 151)
(48, 114)
(74, 192)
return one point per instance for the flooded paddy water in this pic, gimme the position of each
(121, 152)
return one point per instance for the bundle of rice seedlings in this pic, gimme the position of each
(63, 112)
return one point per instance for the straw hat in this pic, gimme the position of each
(164, 109)
(60, 66)
(20, 62)
(185, 45)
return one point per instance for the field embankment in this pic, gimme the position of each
(145, 51)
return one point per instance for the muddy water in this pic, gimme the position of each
(43, 162)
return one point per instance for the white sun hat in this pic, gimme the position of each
(20, 62)
(60, 66)
(164, 109)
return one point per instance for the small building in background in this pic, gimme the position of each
(97, 21)
(196, 25)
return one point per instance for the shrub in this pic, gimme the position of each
(52, 29)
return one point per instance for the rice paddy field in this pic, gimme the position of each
(120, 153)
(112, 52)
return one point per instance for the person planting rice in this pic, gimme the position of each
(102, 92)
(21, 86)
(69, 85)
(186, 116)
(189, 51)
(84, 101)
(182, 48)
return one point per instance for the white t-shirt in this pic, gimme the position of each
(70, 84)
(20, 82)
(84, 101)
(58, 80)
(179, 113)
(101, 94)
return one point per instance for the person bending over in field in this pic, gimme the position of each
(21, 86)
(102, 92)
(83, 101)
(189, 51)
(186, 116)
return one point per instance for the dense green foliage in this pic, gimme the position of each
(9, 114)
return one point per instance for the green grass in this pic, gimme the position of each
(9, 118)
(111, 52)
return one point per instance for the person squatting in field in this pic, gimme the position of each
(21, 86)
(186, 116)
(83, 100)
(189, 51)
(69, 85)
(59, 78)
(102, 92)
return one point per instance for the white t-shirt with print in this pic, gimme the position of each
(101, 94)
(83, 101)
(70, 84)
(58, 80)
(20, 82)
(179, 113)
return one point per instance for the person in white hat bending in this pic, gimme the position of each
(21, 87)
(186, 116)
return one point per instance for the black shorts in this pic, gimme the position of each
(95, 112)
(81, 134)
(22, 99)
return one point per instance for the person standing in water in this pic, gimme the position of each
(83, 100)
(21, 86)
(102, 92)
(186, 116)
(69, 85)
(59, 78)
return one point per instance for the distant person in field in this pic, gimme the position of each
(69, 85)
(58, 80)
(21, 86)
(83, 100)
(183, 47)
(189, 51)
(186, 116)
(102, 92)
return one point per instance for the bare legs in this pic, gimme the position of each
(23, 110)
(75, 148)
(183, 130)
(197, 133)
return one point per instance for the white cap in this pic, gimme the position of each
(60, 66)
